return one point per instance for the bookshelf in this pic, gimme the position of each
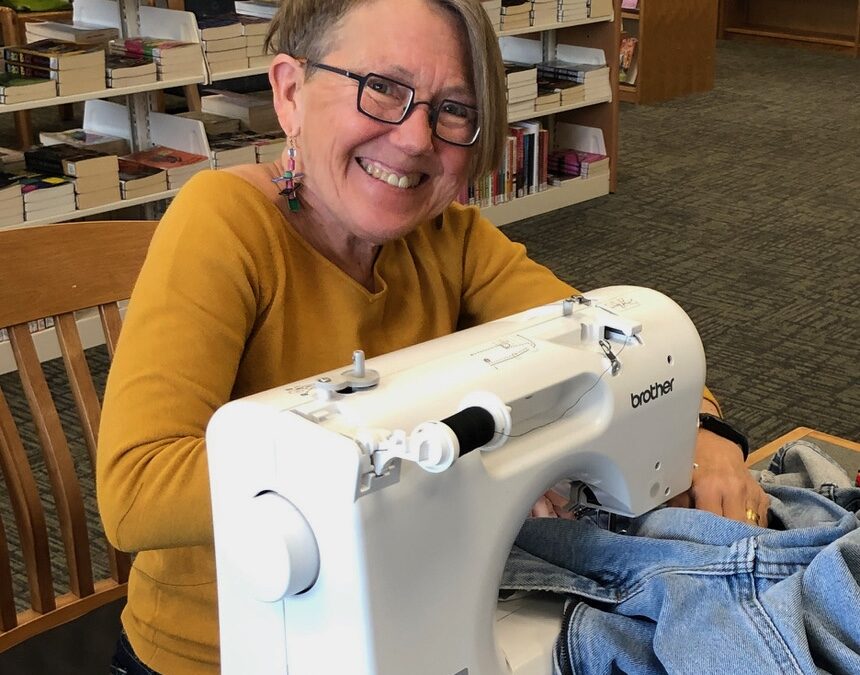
(676, 49)
(829, 24)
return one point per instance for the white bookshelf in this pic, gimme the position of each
(551, 199)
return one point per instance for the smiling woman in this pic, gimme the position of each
(265, 274)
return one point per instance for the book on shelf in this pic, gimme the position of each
(212, 124)
(119, 65)
(39, 189)
(544, 12)
(628, 60)
(231, 55)
(568, 164)
(225, 44)
(493, 8)
(93, 198)
(139, 180)
(119, 82)
(179, 165)
(599, 8)
(56, 55)
(218, 27)
(112, 145)
(517, 73)
(69, 160)
(11, 200)
(572, 10)
(255, 110)
(548, 96)
(263, 61)
(220, 67)
(632, 5)
(173, 59)
(68, 82)
(17, 89)
(79, 32)
(256, 26)
(569, 92)
(258, 8)
(96, 182)
(231, 149)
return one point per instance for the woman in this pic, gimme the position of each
(389, 106)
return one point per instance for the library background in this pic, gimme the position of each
(706, 148)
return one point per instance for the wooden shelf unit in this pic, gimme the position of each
(830, 24)
(676, 49)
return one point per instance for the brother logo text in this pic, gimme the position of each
(653, 392)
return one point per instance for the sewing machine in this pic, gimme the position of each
(363, 516)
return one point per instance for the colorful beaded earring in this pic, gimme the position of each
(291, 179)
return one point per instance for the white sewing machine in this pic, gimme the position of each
(355, 532)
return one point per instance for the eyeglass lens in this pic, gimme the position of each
(389, 101)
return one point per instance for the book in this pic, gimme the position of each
(257, 8)
(68, 82)
(263, 61)
(79, 32)
(17, 89)
(254, 25)
(95, 182)
(11, 159)
(119, 65)
(118, 82)
(218, 27)
(69, 160)
(228, 66)
(38, 188)
(225, 44)
(212, 124)
(519, 73)
(228, 55)
(255, 110)
(81, 138)
(168, 159)
(56, 55)
(628, 60)
(230, 149)
(89, 200)
(135, 177)
(163, 51)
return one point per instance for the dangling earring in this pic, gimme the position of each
(291, 179)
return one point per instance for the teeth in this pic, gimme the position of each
(402, 182)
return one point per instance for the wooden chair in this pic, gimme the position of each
(55, 271)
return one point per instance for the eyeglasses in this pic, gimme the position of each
(390, 101)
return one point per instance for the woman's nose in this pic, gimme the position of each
(415, 133)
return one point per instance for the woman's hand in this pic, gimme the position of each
(722, 484)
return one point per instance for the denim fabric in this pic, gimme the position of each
(125, 661)
(685, 591)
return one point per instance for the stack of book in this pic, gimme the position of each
(231, 149)
(94, 174)
(572, 10)
(17, 89)
(46, 196)
(628, 59)
(568, 92)
(137, 180)
(254, 28)
(594, 77)
(494, 11)
(75, 68)
(548, 96)
(11, 201)
(515, 14)
(269, 146)
(544, 12)
(123, 70)
(81, 138)
(82, 33)
(178, 164)
(521, 81)
(254, 110)
(265, 9)
(213, 124)
(568, 164)
(224, 43)
(173, 59)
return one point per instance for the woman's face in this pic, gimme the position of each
(348, 158)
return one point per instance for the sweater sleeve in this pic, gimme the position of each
(192, 309)
(499, 279)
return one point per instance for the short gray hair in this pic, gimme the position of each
(307, 29)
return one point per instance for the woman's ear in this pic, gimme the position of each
(286, 77)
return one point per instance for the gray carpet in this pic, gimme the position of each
(742, 204)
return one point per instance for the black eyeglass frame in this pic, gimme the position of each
(433, 110)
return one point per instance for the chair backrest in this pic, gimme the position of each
(52, 272)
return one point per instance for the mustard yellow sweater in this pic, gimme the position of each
(230, 302)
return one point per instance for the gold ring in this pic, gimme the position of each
(752, 516)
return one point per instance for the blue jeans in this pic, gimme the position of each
(125, 661)
(685, 591)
